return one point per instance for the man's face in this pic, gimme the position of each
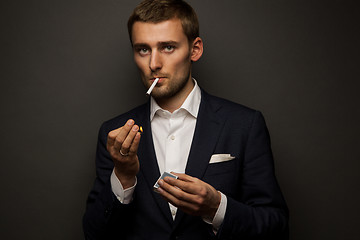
(162, 50)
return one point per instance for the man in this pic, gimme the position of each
(219, 150)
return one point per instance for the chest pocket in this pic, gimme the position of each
(221, 167)
(223, 176)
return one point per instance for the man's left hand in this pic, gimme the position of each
(191, 195)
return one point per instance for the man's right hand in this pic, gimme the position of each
(122, 144)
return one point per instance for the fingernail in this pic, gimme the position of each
(135, 128)
(130, 122)
(138, 135)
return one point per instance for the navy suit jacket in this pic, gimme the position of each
(255, 208)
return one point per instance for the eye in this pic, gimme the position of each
(143, 51)
(169, 49)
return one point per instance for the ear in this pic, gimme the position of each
(197, 49)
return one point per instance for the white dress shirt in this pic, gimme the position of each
(172, 136)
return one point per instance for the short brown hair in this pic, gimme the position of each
(156, 11)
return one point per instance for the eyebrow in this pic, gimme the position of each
(168, 43)
(159, 44)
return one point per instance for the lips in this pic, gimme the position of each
(160, 79)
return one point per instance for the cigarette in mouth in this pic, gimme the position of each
(152, 86)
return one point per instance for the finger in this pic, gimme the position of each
(185, 182)
(135, 144)
(173, 194)
(111, 141)
(120, 138)
(184, 177)
(177, 192)
(127, 143)
(184, 205)
(112, 136)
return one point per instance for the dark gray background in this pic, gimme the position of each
(66, 66)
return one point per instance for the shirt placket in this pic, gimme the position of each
(172, 154)
(173, 142)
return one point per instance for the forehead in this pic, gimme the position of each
(148, 32)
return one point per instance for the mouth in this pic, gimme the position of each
(160, 79)
(152, 86)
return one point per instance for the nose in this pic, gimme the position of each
(155, 63)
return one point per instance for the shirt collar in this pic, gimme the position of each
(191, 103)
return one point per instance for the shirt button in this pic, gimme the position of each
(173, 212)
(172, 137)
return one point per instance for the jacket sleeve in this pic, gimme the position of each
(260, 211)
(103, 210)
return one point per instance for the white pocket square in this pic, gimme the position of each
(216, 158)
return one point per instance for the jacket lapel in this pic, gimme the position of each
(206, 135)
